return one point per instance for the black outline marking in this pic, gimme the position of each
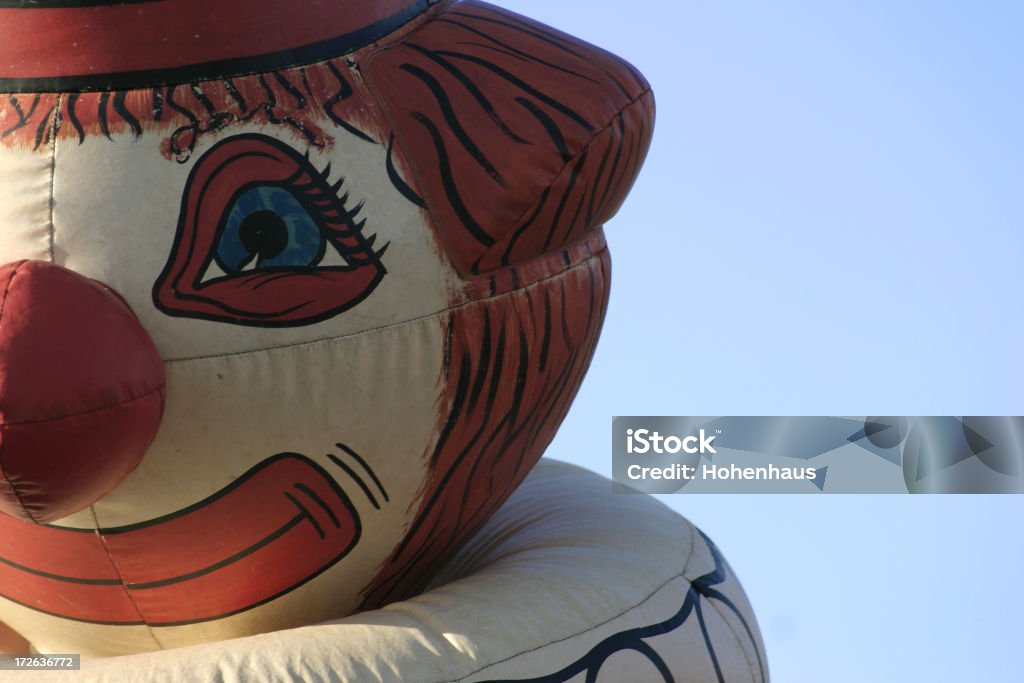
(545, 344)
(484, 367)
(506, 258)
(473, 90)
(448, 180)
(515, 23)
(120, 106)
(396, 179)
(522, 85)
(45, 129)
(550, 126)
(345, 91)
(158, 103)
(511, 50)
(77, 125)
(574, 177)
(366, 466)
(58, 577)
(315, 497)
(22, 116)
(355, 477)
(451, 118)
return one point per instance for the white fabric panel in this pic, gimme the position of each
(26, 209)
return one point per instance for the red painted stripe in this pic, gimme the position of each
(101, 603)
(77, 41)
(75, 555)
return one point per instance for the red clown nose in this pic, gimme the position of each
(81, 391)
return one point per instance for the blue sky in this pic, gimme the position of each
(830, 222)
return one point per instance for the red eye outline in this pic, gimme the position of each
(273, 297)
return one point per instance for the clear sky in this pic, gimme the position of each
(830, 222)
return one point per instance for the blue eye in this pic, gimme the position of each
(267, 224)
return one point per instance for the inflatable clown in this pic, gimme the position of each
(294, 296)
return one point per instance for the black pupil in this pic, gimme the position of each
(264, 233)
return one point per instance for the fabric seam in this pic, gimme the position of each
(418, 319)
(53, 173)
(5, 425)
(11, 484)
(120, 576)
(658, 589)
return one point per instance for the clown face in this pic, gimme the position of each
(318, 290)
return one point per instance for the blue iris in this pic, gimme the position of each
(268, 224)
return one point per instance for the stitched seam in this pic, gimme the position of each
(17, 494)
(755, 675)
(573, 635)
(5, 425)
(680, 575)
(14, 489)
(7, 289)
(53, 170)
(120, 576)
(381, 328)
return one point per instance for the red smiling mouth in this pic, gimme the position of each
(274, 528)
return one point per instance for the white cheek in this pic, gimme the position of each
(25, 209)
(115, 209)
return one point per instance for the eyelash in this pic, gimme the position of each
(319, 197)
